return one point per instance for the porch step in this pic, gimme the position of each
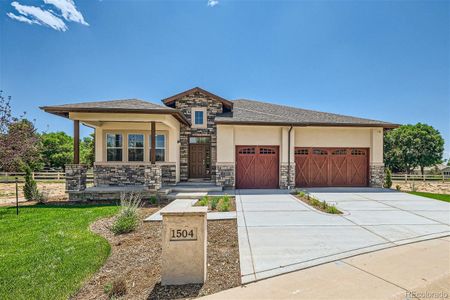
(185, 195)
(196, 188)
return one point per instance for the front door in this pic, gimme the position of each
(197, 160)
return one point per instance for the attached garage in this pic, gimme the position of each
(320, 167)
(257, 167)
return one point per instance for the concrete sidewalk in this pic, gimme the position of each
(413, 271)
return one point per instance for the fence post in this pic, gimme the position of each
(7, 179)
(406, 178)
(32, 175)
(58, 176)
(443, 177)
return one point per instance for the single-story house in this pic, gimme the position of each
(196, 135)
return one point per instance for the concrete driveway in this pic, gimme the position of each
(280, 234)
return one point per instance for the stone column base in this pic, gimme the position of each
(76, 177)
(225, 174)
(285, 180)
(376, 175)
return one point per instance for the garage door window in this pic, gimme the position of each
(340, 152)
(247, 151)
(301, 152)
(319, 152)
(358, 152)
(266, 151)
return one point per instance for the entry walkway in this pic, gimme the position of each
(412, 271)
(280, 234)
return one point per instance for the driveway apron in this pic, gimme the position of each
(280, 234)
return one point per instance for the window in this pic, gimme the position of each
(358, 152)
(266, 151)
(247, 151)
(198, 117)
(113, 147)
(339, 152)
(160, 147)
(199, 140)
(301, 151)
(135, 147)
(319, 152)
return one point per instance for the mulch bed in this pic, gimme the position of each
(308, 200)
(136, 258)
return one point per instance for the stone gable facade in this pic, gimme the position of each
(213, 107)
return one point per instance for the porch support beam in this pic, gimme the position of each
(76, 142)
(153, 143)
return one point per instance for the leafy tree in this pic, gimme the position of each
(19, 142)
(410, 146)
(57, 149)
(87, 150)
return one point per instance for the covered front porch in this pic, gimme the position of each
(135, 150)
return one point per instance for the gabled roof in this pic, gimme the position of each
(171, 99)
(115, 106)
(263, 113)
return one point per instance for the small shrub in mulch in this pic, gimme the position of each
(316, 203)
(218, 203)
(115, 289)
(127, 220)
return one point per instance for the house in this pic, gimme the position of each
(196, 135)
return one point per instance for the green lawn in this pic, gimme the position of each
(48, 251)
(442, 197)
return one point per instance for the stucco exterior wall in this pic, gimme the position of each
(342, 137)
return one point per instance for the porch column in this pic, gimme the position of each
(153, 143)
(76, 142)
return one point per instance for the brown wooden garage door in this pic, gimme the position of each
(331, 166)
(256, 167)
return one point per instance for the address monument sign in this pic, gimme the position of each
(184, 241)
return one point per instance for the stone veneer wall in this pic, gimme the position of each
(213, 107)
(284, 175)
(168, 173)
(128, 174)
(376, 175)
(225, 174)
(76, 177)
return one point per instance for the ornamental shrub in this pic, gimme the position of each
(388, 179)
(30, 187)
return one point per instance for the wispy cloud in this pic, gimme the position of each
(21, 19)
(68, 10)
(43, 16)
(39, 16)
(212, 3)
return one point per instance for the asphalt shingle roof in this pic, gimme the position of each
(251, 111)
(115, 104)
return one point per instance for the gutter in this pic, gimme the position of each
(289, 157)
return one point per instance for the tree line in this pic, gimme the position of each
(21, 146)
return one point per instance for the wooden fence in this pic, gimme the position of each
(9, 177)
(416, 177)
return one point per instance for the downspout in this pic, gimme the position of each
(289, 158)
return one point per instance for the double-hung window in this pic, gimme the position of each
(198, 117)
(135, 147)
(113, 147)
(160, 147)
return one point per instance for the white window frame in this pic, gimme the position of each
(128, 146)
(202, 109)
(106, 145)
(165, 146)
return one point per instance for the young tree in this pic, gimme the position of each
(19, 142)
(57, 149)
(410, 146)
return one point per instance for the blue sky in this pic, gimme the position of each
(387, 60)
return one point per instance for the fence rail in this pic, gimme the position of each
(8, 177)
(417, 177)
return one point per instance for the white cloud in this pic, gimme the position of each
(212, 3)
(37, 15)
(21, 19)
(68, 10)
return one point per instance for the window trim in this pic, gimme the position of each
(106, 146)
(128, 147)
(205, 119)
